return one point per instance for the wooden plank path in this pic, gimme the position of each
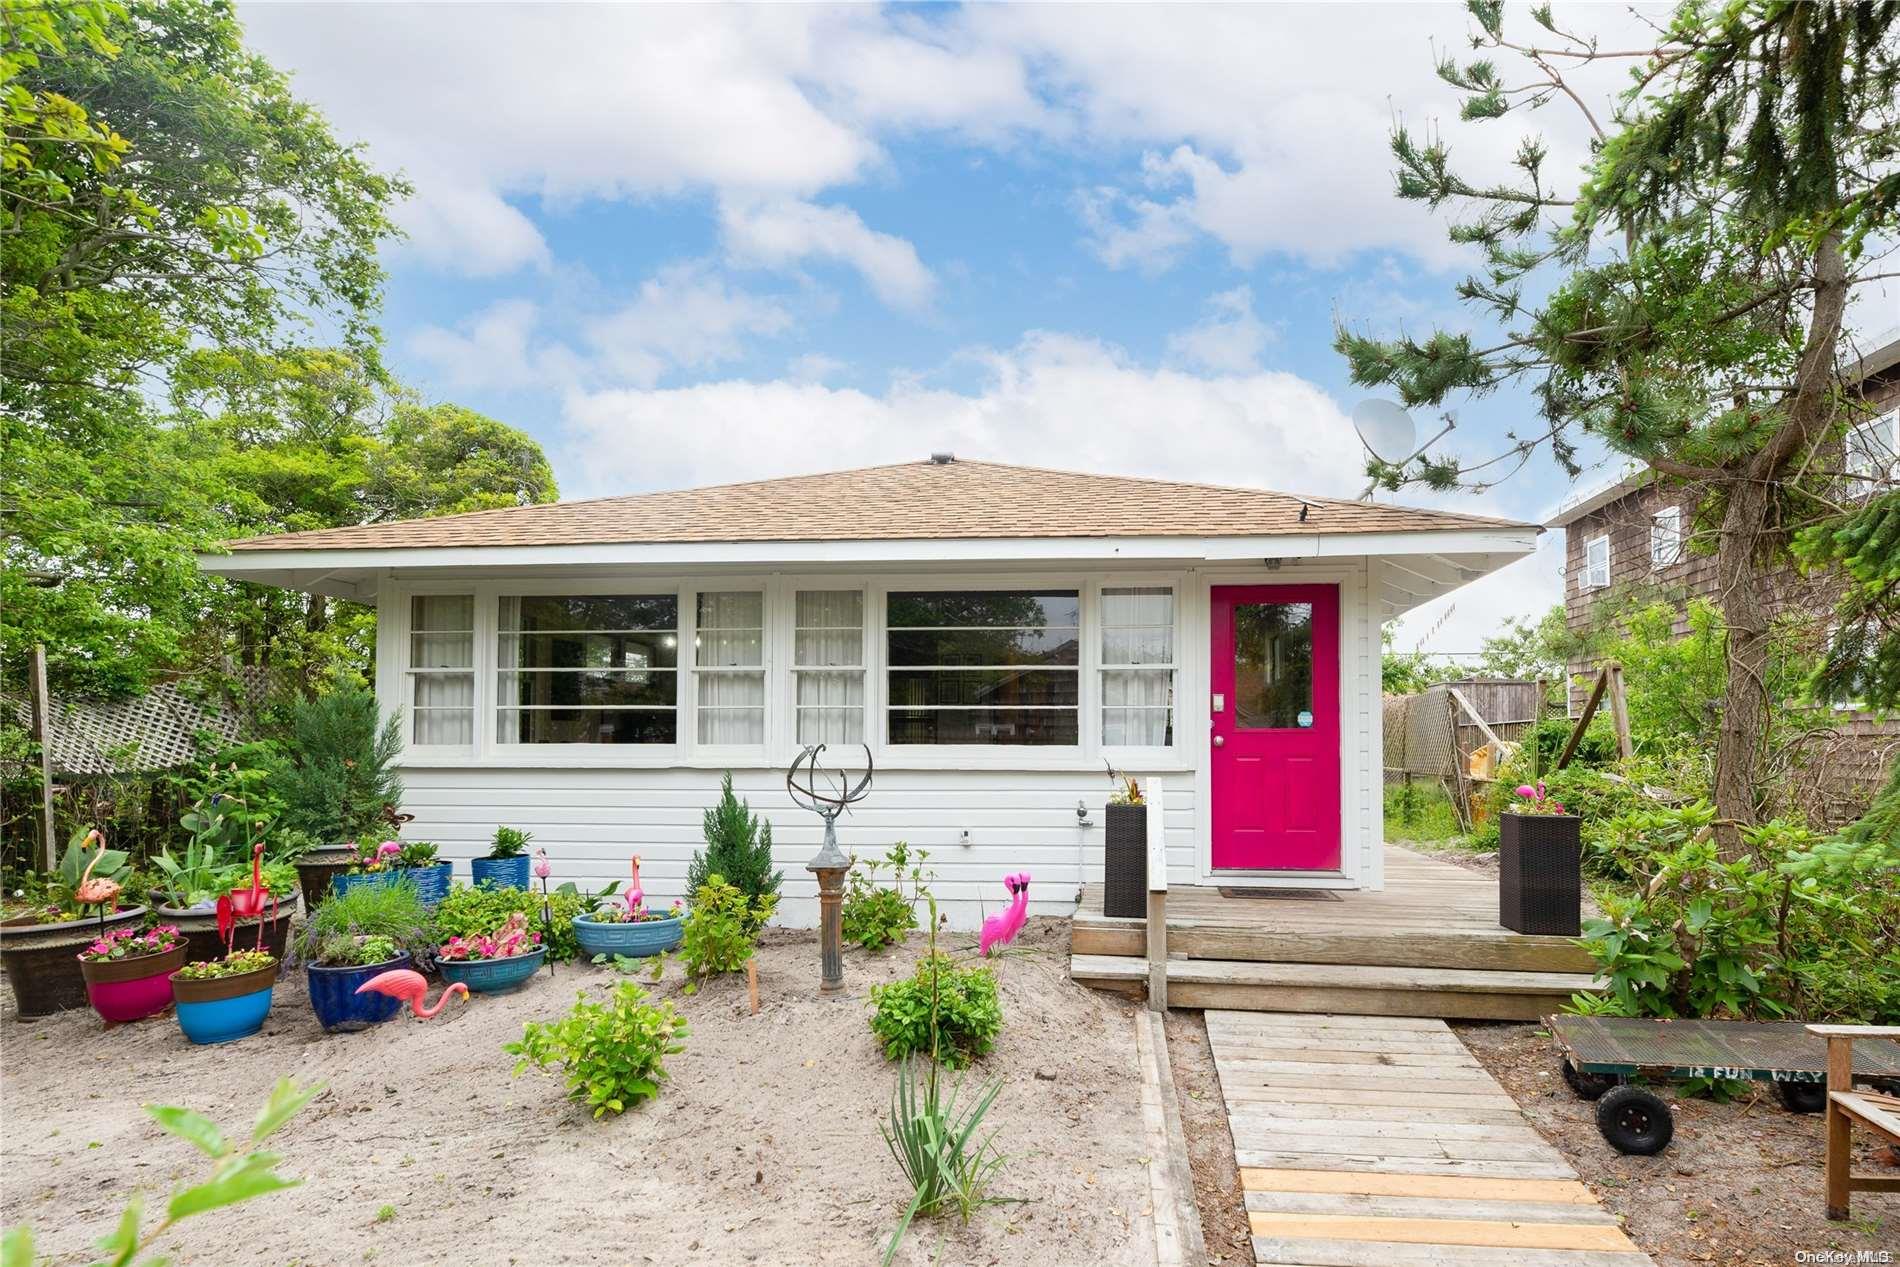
(1380, 1141)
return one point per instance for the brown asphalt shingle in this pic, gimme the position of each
(912, 501)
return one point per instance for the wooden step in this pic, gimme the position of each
(1499, 950)
(1352, 989)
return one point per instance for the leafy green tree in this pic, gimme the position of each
(738, 847)
(1530, 650)
(338, 771)
(1693, 285)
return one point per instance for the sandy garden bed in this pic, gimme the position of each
(1741, 1182)
(763, 1148)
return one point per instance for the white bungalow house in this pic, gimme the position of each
(996, 634)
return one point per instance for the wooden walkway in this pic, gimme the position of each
(1370, 1141)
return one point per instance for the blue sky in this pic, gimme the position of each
(690, 245)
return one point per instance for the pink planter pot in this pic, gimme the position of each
(124, 990)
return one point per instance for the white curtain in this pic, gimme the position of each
(442, 663)
(1137, 666)
(730, 652)
(828, 659)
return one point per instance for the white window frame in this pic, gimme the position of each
(1586, 579)
(690, 665)
(1136, 754)
(1870, 476)
(405, 631)
(1665, 538)
(956, 585)
(780, 717)
(809, 584)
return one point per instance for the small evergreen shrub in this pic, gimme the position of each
(510, 842)
(339, 771)
(968, 1013)
(470, 912)
(613, 1054)
(738, 848)
(721, 928)
(873, 916)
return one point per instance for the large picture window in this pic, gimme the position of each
(828, 666)
(984, 667)
(729, 663)
(587, 668)
(1138, 667)
(442, 669)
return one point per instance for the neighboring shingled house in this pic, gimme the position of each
(1629, 539)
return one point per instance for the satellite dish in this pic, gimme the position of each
(1385, 429)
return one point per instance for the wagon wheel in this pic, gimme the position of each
(1635, 1121)
(1589, 1086)
(1802, 1097)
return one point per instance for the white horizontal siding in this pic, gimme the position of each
(591, 821)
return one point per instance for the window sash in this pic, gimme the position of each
(1596, 563)
(1872, 449)
(1665, 538)
(1014, 652)
(828, 668)
(440, 678)
(531, 721)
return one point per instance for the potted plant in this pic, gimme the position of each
(1125, 850)
(39, 946)
(226, 999)
(382, 862)
(492, 963)
(361, 932)
(1540, 865)
(128, 972)
(625, 926)
(506, 866)
(198, 920)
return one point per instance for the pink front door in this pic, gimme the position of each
(1275, 732)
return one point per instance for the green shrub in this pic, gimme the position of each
(336, 932)
(340, 771)
(471, 912)
(738, 848)
(510, 842)
(1419, 811)
(962, 1001)
(612, 1053)
(873, 916)
(721, 928)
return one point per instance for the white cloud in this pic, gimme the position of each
(786, 232)
(685, 317)
(1228, 340)
(1263, 127)
(813, 367)
(1458, 623)
(1052, 400)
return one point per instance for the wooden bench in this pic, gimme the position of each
(1845, 1107)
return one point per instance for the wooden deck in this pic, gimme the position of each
(1372, 1141)
(1428, 944)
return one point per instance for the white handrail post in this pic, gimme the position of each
(1157, 901)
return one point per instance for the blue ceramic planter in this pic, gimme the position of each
(492, 976)
(339, 1007)
(224, 1009)
(635, 941)
(500, 873)
(432, 883)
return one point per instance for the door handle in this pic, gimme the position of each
(1220, 741)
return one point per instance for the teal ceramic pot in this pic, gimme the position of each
(492, 976)
(634, 941)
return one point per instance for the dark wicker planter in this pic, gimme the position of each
(1125, 862)
(1540, 873)
(199, 925)
(42, 961)
(316, 869)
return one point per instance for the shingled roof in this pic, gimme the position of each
(931, 500)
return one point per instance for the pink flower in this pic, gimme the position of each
(1527, 791)
(388, 847)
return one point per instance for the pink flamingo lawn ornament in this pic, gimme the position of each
(410, 988)
(101, 892)
(1001, 928)
(255, 903)
(635, 895)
